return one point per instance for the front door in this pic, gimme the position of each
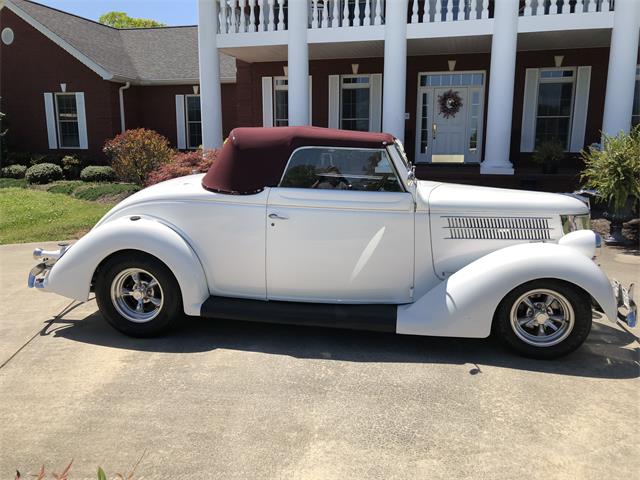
(449, 117)
(340, 229)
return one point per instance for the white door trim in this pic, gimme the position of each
(420, 89)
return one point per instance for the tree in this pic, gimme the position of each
(122, 20)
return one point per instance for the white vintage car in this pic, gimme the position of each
(330, 228)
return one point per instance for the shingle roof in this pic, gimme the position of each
(144, 55)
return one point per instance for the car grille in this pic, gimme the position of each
(497, 228)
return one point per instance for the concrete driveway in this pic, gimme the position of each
(229, 400)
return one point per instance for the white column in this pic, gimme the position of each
(298, 63)
(395, 68)
(623, 57)
(210, 95)
(501, 84)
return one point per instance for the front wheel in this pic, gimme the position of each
(544, 318)
(138, 295)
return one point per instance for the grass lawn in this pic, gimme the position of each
(28, 215)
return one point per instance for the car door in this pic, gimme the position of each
(340, 228)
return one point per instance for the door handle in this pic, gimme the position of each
(275, 216)
(434, 129)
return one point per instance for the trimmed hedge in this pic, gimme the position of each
(98, 174)
(43, 173)
(13, 171)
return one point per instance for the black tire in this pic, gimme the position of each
(164, 316)
(568, 340)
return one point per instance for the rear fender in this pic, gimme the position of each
(71, 275)
(464, 304)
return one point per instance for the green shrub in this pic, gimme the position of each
(136, 153)
(98, 174)
(13, 183)
(43, 173)
(13, 171)
(71, 167)
(95, 192)
(38, 158)
(67, 187)
(614, 170)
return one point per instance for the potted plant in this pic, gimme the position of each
(614, 171)
(549, 154)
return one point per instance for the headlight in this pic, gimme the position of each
(571, 223)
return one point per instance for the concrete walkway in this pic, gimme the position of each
(230, 400)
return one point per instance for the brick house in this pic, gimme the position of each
(68, 84)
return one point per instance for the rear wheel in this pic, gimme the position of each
(138, 295)
(544, 318)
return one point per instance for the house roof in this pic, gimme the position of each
(255, 157)
(143, 56)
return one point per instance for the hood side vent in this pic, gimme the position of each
(497, 228)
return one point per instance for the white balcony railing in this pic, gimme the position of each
(254, 16)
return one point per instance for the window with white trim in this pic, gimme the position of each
(193, 121)
(635, 113)
(67, 120)
(355, 99)
(554, 107)
(280, 102)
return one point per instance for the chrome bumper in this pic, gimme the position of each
(624, 299)
(38, 274)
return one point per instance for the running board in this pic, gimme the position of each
(373, 317)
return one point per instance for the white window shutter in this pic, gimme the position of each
(267, 101)
(334, 101)
(528, 127)
(310, 100)
(580, 108)
(50, 113)
(82, 121)
(375, 105)
(181, 130)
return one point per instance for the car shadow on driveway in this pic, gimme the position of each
(601, 356)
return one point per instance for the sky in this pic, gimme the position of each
(171, 12)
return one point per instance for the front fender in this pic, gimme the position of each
(71, 275)
(464, 304)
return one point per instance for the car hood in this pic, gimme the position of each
(447, 198)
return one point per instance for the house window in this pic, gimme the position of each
(280, 102)
(555, 106)
(355, 98)
(635, 114)
(67, 120)
(194, 122)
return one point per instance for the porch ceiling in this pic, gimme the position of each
(564, 39)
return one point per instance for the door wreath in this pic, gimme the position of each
(450, 103)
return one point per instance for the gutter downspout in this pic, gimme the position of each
(121, 95)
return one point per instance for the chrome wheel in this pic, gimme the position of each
(542, 317)
(137, 295)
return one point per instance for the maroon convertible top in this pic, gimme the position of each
(254, 157)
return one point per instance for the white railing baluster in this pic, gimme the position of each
(224, 20)
(252, 16)
(553, 8)
(345, 14)
(378, 18)
(356, 14)
(485, 9)
(449, 16)
(604, 7)
(414, 11)
(232, 13)
(335, 22)
(367, 13)
(579, 7)
(262, 27)
(592, 6)
(527, 8)
(314, 14)
(281, 25)
(473, 10)
(325, 14)
(438, 15)
(271, 13)
(243, 24)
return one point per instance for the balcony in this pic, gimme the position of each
(264, 23)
